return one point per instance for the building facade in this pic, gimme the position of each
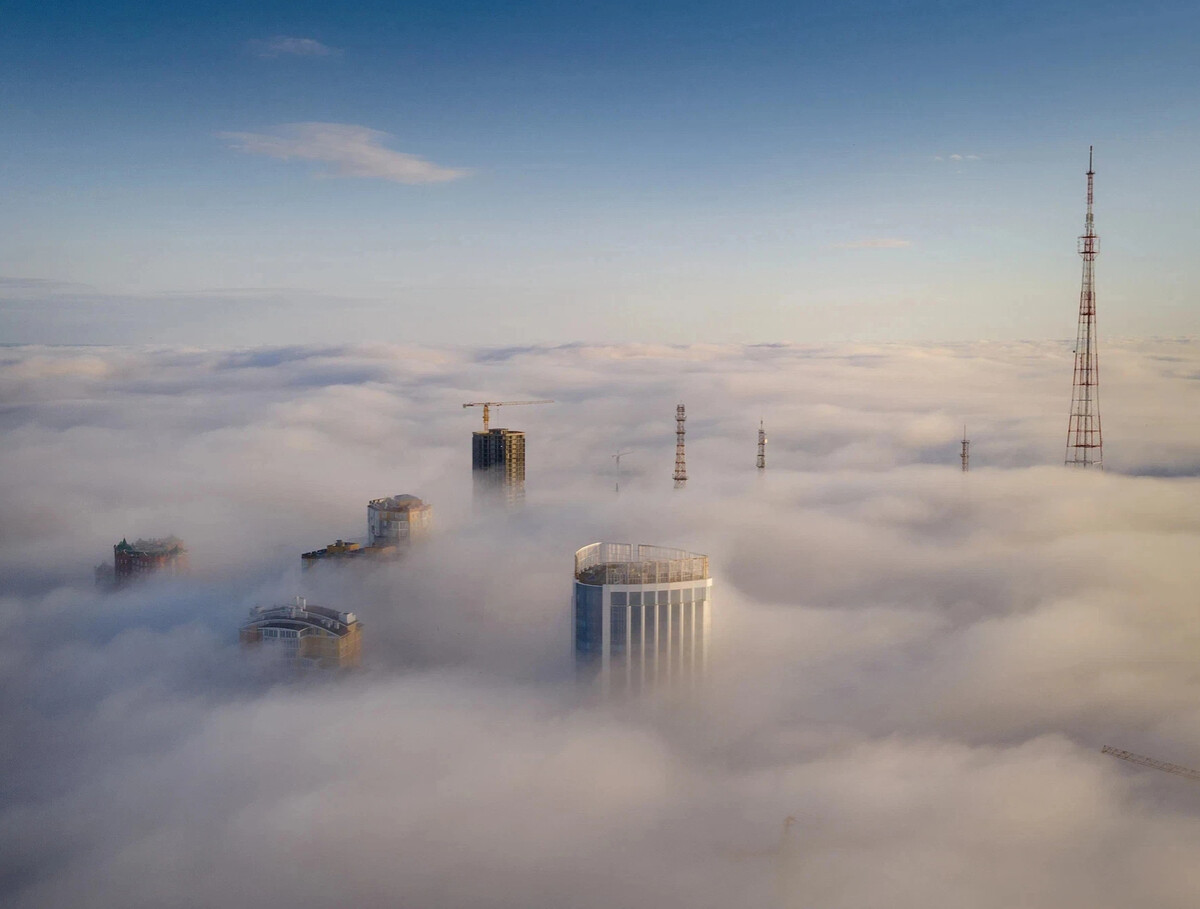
(498, 465)
(643, 616)
(308, 637)
(337, 551)
(398, 521)
(142, 558)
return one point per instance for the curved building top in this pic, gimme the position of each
(623, 563)
(301, 616)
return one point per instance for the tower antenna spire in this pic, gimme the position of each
(680, 463)
(1085, 442)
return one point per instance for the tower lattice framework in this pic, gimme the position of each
(680, 462)
(1085, 443)
(761, 461)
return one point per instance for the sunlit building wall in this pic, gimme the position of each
(310, 637)
(498, 466)
(397, 521)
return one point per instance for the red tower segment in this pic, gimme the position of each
(1085, 444)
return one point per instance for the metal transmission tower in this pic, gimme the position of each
(966, 451)
(680, 464)
(1187, 772)
(1085, 444)
(762, 447)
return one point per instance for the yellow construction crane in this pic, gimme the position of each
(488, 405)
(1177, 769)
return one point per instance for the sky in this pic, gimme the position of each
(242, 174)
(920, 665)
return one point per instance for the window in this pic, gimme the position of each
(687, 595)
(635, 599)
(677, 596)
(618, 598)
(618, 624)
(663, 596)
(589, 613)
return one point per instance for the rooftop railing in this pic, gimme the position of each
(621, 563)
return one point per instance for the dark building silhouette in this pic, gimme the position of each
(498, 465)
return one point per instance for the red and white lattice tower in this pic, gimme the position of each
(1085, 444)
(680, 464)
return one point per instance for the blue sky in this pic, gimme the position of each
(561, 171)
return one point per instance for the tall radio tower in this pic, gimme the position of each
(762, 447)
(1085, 444)
(680, 464)
(966, 451)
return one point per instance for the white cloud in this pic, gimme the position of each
(875, 243)
(919, 665)
(286, 46)
(351, 151)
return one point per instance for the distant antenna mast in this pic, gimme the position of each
(617, 458)
(762, 447)
(966, 451)
(680, 464)
(1085, 444)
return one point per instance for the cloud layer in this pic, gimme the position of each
(920, 666)
(286, 46)
(350, 151)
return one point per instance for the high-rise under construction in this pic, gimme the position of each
(498, 464)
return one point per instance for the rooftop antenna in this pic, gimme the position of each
(966, 451)
(1085, 444)
(680, 463)
(762, 447)
(617, 458)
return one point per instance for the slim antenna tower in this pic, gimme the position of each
(966, 451)
(680, 464)
(1085, 444)
(762, 447)
(617, 457)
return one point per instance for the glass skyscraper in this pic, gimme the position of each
(642, 615)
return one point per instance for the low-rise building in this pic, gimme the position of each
(339, 550)
(306, 636)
